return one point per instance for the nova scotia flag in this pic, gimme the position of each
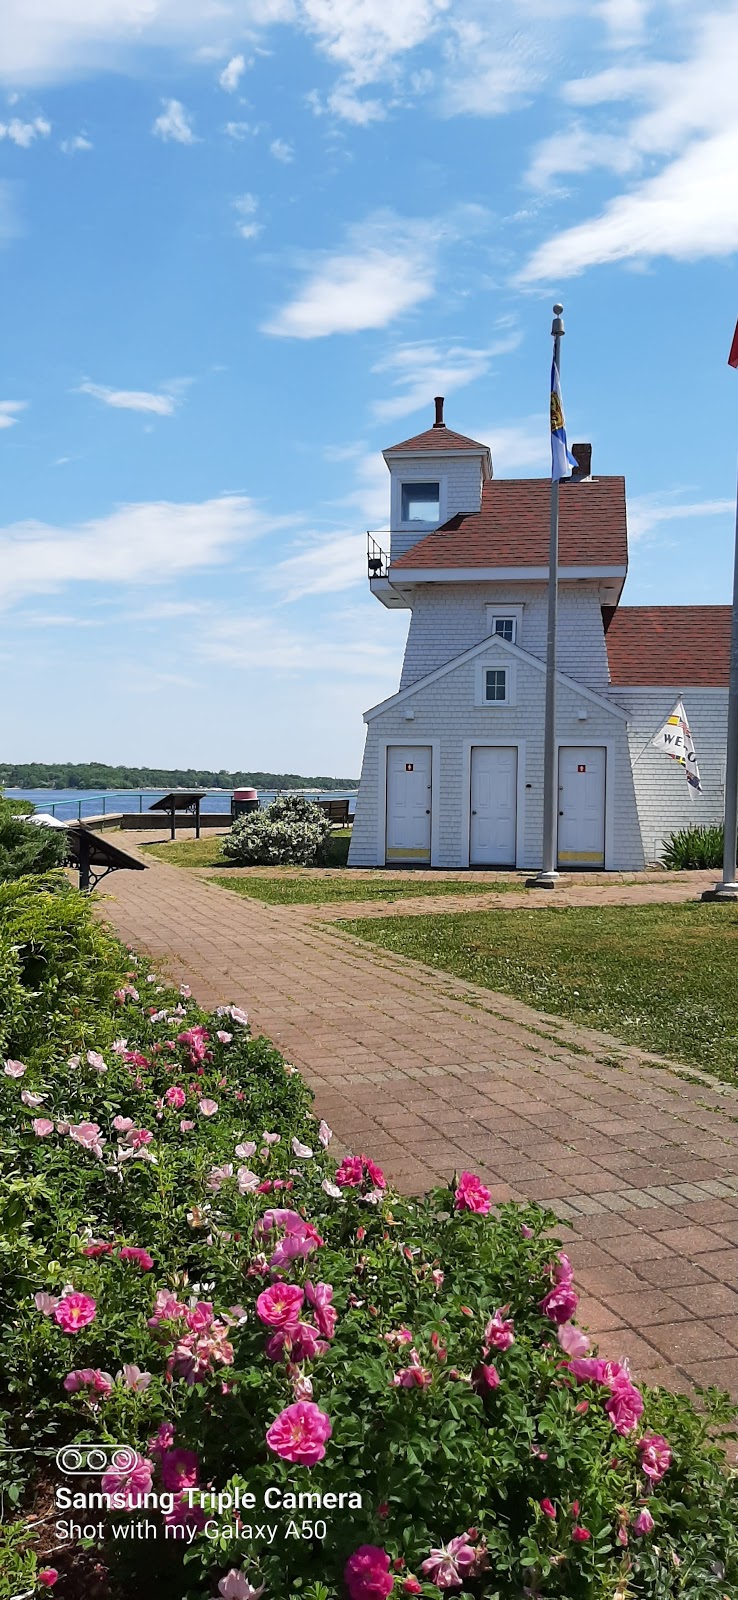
(562, 460)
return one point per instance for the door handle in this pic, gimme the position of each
(428, 812)
(474, 813)
(561, 813)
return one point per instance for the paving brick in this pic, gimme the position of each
(430, 1073)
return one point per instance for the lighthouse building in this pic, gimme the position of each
(452, 775)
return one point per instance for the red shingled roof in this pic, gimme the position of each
(683, 646)
(512, 528)
(439, 437)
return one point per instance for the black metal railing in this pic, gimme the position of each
(376, 559)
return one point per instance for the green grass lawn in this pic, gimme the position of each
(206, 852)
(662, 976)
(281, 890)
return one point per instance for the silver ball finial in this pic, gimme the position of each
(558, 310)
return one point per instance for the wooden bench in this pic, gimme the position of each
(337, 812)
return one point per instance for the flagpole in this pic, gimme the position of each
(728, 889)
(549, 876)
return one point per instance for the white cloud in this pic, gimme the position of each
(282, 151)
(421, 371)
(174, 123)
(648, 511)
(326, 564)
(246, 207)
(80, 141)
(9, 412)
(240, 130)
(25, 133)
(387, 267)
(163, 404)
(258, 640)
(518, 445)
(134, 544)
(232, 74)
(493, 63)
(690, 120)
(365, 36)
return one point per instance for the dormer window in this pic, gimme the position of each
(503, 622)
(421, 502)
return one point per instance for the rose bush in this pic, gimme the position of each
(289, 832)
(191, 1274)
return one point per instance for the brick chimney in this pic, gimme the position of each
(582, 454)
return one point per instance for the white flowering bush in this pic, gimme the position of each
(289, 832)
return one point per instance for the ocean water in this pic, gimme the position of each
(66, 804)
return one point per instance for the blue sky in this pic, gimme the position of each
(243, 246)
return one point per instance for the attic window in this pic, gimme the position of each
(421, 502)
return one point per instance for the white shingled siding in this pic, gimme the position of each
(460, 480)
(662, 793)
(444, 712)
(449, 618)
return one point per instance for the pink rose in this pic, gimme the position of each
(295, 1344)
(416, 1376)
(163, 1440)
(625, 1404)
(208, 1108)
(485, 1378)
(89, 1378)
(185, 1126)
(655, 1456)
(42, 1127)
(46, 1303)
(200, 1317)
(175, 1097)
(299, 1433)
(319, 1296)
(129, 1481)
(14, 1069)
(48, 1576)
(560, 1303)
(87, 1134)
(141, 1258)
(325, 1134)
(32, 1100)
(580, 1535)
(449, 1565)
(179, 1470)
(499, 1333)
(75, 1311)
(572, 1340)
(643, 1523)
(548, 1508)
(280, 1306)
(472, 1195)
(367, 1573)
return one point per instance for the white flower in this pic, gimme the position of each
(14, 1069)
(247, 1180)
(333, 1190)
(32, 1100)
(325, 1134)
(302, 1151)
(245, 1151)
(133, 1377)
(94, 1059)
(235, 1586)
(272, 1138)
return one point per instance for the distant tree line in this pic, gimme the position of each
(96, 775)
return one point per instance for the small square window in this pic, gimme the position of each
(504, 628)
(421, 502)
(495, 684)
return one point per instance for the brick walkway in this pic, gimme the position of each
(428, 1073)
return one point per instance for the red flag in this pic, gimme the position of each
(733, 357)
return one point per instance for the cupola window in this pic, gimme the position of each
(421, 502)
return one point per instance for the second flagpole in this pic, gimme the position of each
(549, 875)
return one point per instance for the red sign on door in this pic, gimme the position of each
(582, 768)
(409, 767)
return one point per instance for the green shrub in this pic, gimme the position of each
(692, 848)
(25, 846)
(289, 832)
(429, 1338)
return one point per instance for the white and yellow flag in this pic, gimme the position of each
(675, 740)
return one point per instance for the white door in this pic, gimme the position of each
(494, 806)
(408, 803)
(582, 805)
